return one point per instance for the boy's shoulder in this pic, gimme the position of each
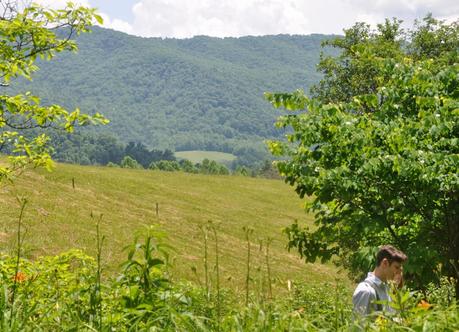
(364, 287)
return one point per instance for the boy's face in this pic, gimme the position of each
(393, 270)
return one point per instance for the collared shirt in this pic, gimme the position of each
(367, 292)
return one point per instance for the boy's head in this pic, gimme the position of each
(391, 254)
(389, 262)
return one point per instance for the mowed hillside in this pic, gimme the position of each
(58, 217)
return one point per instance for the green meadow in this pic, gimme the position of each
(64, 206)
(198, 156)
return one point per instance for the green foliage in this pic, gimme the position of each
(129, 162)
(378, 149)
(56, 294)
(443, 293)
(145, 157)
(241, 170)
(212, 167)
(51, 291)
(355, 71)
(86, 149)
(207, 166)
(432, 39)
(142, 284)
(63, 292)
(27, 34)
(166, 165)
(187, 166)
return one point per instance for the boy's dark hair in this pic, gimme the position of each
(391, 253)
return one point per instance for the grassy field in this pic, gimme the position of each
(199, 156)
(58, 217)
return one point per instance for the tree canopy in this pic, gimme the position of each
(377, 149)
(26, 34)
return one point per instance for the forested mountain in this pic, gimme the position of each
(201, 93)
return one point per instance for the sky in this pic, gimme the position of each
(234, 18)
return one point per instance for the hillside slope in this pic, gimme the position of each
(58, 217)
(201, 93)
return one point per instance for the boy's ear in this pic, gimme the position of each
(385, 262)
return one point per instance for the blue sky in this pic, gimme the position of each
(121, 9)
(222, 18)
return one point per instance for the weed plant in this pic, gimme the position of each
(58, 294)
(67, 292)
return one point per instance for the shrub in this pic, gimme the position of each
(129, 162)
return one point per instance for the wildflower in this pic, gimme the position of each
(424, 305)
(381, 322)
(20, 277)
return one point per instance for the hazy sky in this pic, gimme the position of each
(222, 18)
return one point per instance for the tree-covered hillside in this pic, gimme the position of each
(185, 94)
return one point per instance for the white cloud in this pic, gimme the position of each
(408, 8)
(187, 18)
(116, 24)
(58, 4)
(184, 18)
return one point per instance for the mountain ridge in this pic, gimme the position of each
(201, 93)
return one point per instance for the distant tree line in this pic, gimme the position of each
(101, 149)
(205, 167)
(85, 148)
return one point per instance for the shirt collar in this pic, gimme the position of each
(374, 279)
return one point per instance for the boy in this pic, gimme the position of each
(389, 261)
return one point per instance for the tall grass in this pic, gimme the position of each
(58, 218)
(17, 277)
(56, 294)
(67, 292)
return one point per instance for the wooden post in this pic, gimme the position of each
(157, 209)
